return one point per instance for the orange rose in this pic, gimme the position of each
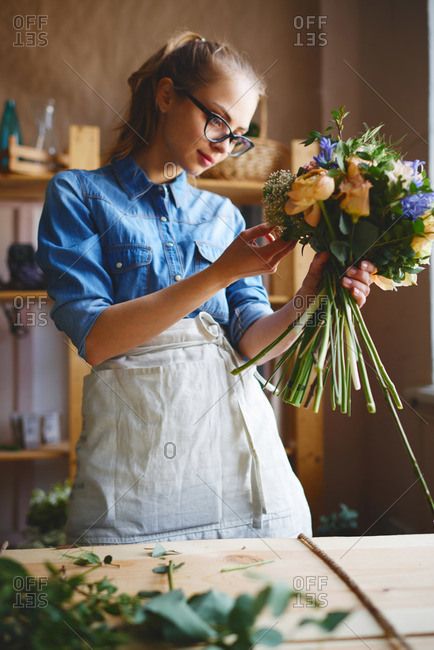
(356, 190)
(306, 190)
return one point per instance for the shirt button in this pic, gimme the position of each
(163, 218)
(169, 243)
(119, 265)
(162, 189)
(178, 277)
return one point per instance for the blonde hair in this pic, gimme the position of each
(191, 61)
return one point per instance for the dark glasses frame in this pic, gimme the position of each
(210, 116)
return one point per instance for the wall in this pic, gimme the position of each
(376, 63)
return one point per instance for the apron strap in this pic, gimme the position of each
(215, 332)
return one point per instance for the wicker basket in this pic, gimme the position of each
(258, 163)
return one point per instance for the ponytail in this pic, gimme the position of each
(190, 60)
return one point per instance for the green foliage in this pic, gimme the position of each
(343, 522)
(88, 558)
(46, 516)
(69, 613)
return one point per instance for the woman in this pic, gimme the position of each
(158, 285)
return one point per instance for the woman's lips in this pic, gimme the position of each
(205, 159)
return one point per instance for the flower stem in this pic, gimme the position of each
(410, 453)
(327, 220)
(298, 326)
(170, 575)
(373, 352)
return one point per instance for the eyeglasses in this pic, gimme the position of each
(217, 129)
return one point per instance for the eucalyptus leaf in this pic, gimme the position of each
(345, 223)
(267, 636)
(212, 606)
(160, 551)
(243, 613)
(340, 250)
(164, 568)
(418, 226)
(173, 607)
(329, 622)
(85, 558)
(365, 235)
(278, 597)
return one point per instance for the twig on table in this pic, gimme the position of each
(397, 641)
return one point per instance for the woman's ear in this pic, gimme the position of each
(164, 94)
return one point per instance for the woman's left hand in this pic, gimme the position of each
(357, 279)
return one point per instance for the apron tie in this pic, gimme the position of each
(215, 332)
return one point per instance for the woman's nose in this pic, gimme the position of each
(224, 147)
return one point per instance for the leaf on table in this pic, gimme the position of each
(329, 622)
(164, 568)
(173, 607)
(266, 636)
(160, 551)
(212, 606)
(85, 558)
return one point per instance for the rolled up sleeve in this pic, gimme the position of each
(247, 298)
(70, 254)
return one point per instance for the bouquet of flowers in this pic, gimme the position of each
(357, 200)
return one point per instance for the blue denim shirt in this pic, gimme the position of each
(110, 235)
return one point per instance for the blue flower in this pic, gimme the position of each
(326, 148)
(415, 205)
(417, 173)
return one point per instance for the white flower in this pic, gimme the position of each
(405, 170)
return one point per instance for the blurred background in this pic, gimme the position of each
(371, 56)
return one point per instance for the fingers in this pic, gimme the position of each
(361, 287)
(366, 265)
(257, 231)
(363, 274)
(276, 249)
(279, 255)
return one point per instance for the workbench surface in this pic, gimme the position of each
(396, 572)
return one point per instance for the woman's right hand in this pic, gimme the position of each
(244, 258)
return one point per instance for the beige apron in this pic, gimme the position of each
(175, 447)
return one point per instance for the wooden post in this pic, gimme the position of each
(84, 153)
(306, 434)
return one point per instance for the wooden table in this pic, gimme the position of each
(396, 571)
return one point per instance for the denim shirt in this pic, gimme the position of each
(111, 234)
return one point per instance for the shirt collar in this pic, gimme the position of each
(135, 181)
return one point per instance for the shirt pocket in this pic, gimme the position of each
(129, 266)
(205, 253)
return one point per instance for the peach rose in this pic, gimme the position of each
(384, 283)
(421, 246)
(410, 279)
(356, 190)
(315, 185)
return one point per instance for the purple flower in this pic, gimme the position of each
(326, 148)
(415, 205)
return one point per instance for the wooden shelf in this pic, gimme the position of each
(241, 192)
(43, 452)
(276, 300)
(19, 187)
(10, 294)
